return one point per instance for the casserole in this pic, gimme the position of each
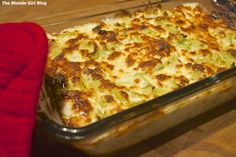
(142, 121)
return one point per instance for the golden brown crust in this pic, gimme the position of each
(100, 69)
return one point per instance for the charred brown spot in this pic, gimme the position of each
(190, 59)
(104, 46)
(99, 30)
(171, 37)
(56, 66)
(107, 65)
(85, 95)
(71, 48)
(71, 95)
(73, 43)
(136, 80)
(160, 47)
(102, 32)
(214, 46)
(183, 81)
(220, 69)
(179, 66)
(51, 42)
(85, 53)
(94, 73)
(125, 95)
(82, 106)
(188, 29)
(111, 36)
(232, 52)
(164, 46)
(142, 27)
(95, 48)
(75, 66)
(183, 35)
(193, 53)
(129, 29)
(109, 98)
(157, 28)
(130, 60)
(205, 52)
(118, 24)
(222, 34)
(96, 29)
(198, 67)
(180, 22)
(203, 27)
(148, 64)
(52, 70)
(189, 65)
(136, 20)
(75, 79)
(107, 84)
(165, 13)
(81, 36)
(162, 77)
(209, 70)
(80, 99)
(91, 62)
(59, 57)
(114, 55)
(135, 33)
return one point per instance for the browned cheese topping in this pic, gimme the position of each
(104, 68)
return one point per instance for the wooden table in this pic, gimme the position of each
(210, 135)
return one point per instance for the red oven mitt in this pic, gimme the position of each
(23, 50)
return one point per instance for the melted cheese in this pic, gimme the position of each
(104, 68)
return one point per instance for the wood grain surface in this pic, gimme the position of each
(210, 135)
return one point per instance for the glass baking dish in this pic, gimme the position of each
(143, 121)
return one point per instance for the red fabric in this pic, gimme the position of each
(23, 50)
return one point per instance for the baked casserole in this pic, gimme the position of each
(101, 68)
